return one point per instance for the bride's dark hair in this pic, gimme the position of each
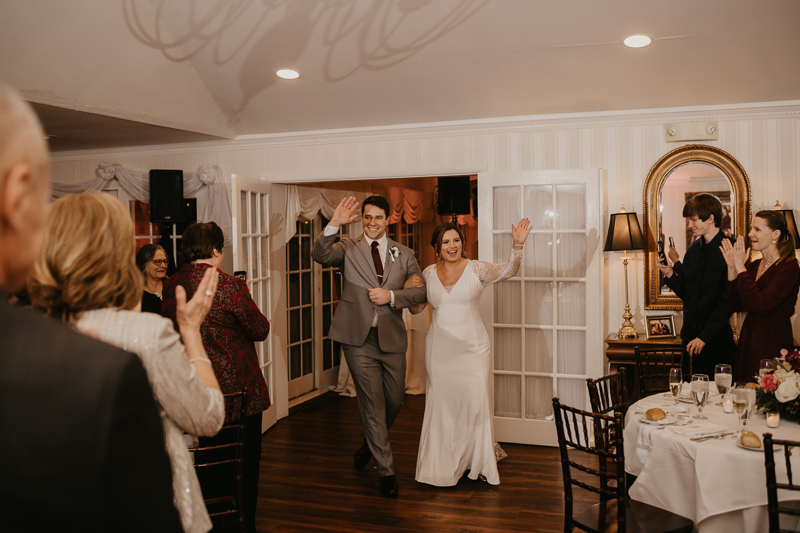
(438, 237)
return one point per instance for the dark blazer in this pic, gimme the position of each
(81, 441)
(355, 311)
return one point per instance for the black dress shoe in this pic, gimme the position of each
(388, 486)
(362, 457)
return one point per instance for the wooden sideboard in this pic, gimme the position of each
(620, 353)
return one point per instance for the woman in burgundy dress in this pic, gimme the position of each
(230, 329)
(767, 289)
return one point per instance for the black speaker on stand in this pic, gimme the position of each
(166, 196)
(453, 196)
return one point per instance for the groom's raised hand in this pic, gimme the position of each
(345, 212)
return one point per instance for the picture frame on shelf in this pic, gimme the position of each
(660, 327)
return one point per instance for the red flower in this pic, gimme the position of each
(793, 359)
(768, 382)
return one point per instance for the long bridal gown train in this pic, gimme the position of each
(457, 432)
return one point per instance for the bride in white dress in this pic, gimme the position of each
(457, 434)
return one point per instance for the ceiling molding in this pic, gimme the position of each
(519, 124)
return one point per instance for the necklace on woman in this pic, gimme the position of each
(153, 291)
(764, 266)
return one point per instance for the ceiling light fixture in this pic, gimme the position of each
(288, 74)
(637, 41)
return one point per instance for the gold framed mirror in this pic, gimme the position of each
(674, 178)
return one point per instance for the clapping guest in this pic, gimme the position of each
(87, 277)
(767, 289)
(151, 259)
(230, 330)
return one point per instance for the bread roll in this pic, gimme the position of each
(750, 440)
(655, 414)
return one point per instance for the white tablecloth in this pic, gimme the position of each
(717, 484)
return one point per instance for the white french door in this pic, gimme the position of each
(251, 254)
(545, 324)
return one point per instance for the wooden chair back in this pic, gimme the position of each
(774, 509)
(218, 463)
(585, 441)
(653, 365)
(593, 459)
(609, 394)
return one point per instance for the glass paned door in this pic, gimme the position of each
(251, 254)
(546, 322)
(300, 309)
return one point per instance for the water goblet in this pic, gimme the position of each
(675, 383)
(764, 366)
(700, 394)
(741, 399)
(723, 379)
(751, 406)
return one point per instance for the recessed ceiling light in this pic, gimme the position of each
(637, 41)
(288, 74)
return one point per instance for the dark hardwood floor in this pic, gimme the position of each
(308, 482)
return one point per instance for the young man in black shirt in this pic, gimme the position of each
(700, 281)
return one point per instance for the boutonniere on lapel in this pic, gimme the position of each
(394, 253)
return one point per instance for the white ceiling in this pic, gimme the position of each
(206, 67)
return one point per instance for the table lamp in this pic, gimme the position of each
(625, 234)
(791, 225)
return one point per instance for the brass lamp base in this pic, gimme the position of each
(627, 332)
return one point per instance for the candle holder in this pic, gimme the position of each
(727, 403)
(773, 419)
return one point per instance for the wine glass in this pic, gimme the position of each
(740, 400)
(700, 394)
(723, 379)
(766, 365)
(675, 383)
(751, 405)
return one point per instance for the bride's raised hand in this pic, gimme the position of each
(520, 233)
(345, 212)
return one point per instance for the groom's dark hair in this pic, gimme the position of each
(377, 201)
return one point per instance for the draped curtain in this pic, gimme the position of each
(206, 182)
(406, 204)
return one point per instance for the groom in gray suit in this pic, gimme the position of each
(369, 322)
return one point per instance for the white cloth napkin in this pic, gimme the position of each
(694, 430)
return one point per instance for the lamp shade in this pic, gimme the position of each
(624, 233)
(791, 225)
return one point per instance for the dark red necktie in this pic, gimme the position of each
(376, 258)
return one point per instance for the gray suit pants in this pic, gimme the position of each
(380, 380)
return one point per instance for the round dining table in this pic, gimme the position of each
(716, 483)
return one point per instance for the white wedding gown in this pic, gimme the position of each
(457, 433)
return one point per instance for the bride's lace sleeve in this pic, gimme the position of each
(490, 273)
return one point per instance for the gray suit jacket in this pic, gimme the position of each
(355, 311)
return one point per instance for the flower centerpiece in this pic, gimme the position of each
(779, 389)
